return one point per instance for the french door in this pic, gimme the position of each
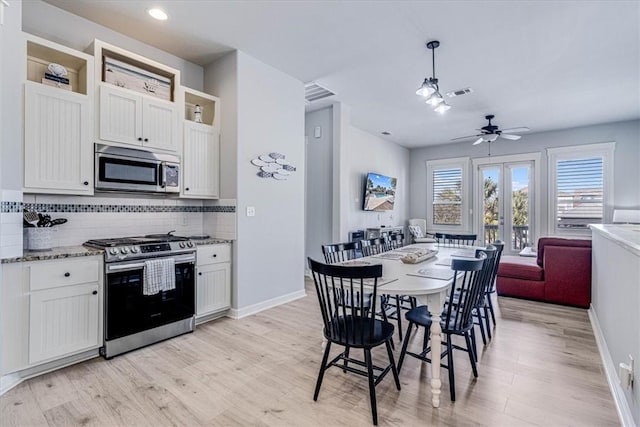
(505, 204)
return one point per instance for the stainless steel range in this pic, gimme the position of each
(135, 318)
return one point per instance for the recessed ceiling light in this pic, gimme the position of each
(386, 133)
(158, 14)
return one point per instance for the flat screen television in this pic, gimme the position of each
(379, 192)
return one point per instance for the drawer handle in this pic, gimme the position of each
(86, 183)
(215, 255)
(200, 274)
(67, 274)
(139, 139)
(146, 140)
(94, 293)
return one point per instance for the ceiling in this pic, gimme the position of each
(542, 64)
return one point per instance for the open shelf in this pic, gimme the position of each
(41, 53)
(128, 70)
(209, 105)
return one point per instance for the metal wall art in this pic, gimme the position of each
(273, 165)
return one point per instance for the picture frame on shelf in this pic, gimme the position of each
(116, 70)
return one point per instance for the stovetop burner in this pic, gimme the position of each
(152, 245)
(141, 240)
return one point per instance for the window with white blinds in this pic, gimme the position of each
(579, 192)
(448, 195)
(581, 186)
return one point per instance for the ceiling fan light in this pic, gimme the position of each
(490, 137)
(442, 107)
(435, 99)
(426, 89)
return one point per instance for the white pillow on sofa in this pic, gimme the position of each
(416, 231)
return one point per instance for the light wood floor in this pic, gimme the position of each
(542, 368)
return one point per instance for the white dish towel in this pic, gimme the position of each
(159, 275)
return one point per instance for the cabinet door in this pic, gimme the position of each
(214, 288)
(63, 321)
(200, 163)
(160, 124)
(120, 116)
(58, 146)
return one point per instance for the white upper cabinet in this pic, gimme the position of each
(201, 145)
(58, 144)
(160, 127)
(137, 100)
(129, 118)
(120, 116)
(201, 161)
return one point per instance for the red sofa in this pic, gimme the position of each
(560, 274)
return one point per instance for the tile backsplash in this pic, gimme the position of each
(104, 217)
(10, 223)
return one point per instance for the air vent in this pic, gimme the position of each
(459, 92)
(313, 92)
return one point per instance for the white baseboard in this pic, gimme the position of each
(9, 381)
(239, 313)
(622, 406)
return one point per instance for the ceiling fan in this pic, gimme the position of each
(491, 132)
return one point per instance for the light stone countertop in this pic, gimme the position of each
(626, 235)
(78, 251)
(54, 253)
(210, 241)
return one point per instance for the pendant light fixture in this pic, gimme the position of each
(429, 87)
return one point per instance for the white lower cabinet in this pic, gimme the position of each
(49, 310)
(63, 321)
(213, 295)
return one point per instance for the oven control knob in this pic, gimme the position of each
(134, 249)
(190, 244)
(124, 250)
(113, 251)
(181, 244)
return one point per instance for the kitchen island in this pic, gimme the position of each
(615, 308)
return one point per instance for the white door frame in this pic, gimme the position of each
(534, 207)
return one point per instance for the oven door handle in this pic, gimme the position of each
(179, 259)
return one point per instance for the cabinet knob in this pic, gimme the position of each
(94, 293)
(67, 274)
(86, 183)
(199, 273)
(186, 189)
(146, 140)
(215, 255)
(140, 139)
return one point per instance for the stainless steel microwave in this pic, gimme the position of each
(127, 169)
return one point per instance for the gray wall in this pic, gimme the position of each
(626, 170)
(356, 153)
(221, 79)
(49, 22)
(270, 252)
(319, 182)
(12, 72)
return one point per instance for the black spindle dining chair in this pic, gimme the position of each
(456, 239)
(396, 240)
(348, 323)
(340, 252)
(485, 307)
(457, 318)
(374, 246)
